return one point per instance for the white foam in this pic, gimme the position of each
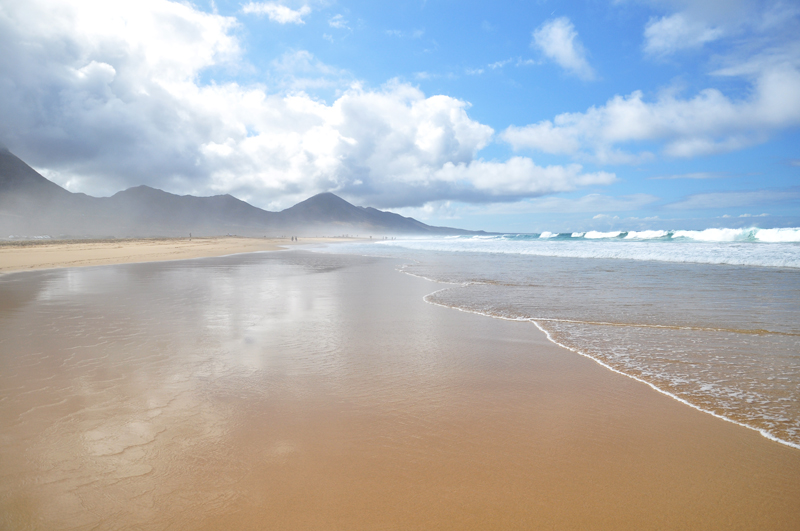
(595, 235)
(713, 235)
(646, 234)
(745, 253)
(778, 235)
(763, 432)
(546, 235)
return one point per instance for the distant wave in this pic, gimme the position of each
(753, 234)
(748, 247)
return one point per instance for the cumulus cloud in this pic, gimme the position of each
(632, 128)
(707, 123)
(277, 12)
(762, 48)
(108, 95)
(558, 41)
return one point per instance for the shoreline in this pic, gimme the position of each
(33, 255)
(603, 364)
(332, 393)
(36, 255)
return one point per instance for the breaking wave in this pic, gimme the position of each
(749, 247)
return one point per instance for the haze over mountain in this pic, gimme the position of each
(32, 205)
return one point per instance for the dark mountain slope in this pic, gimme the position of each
(18, 179)
(328, 208)
(143, 206)
(32, 205)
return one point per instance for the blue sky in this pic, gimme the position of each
(504, 116)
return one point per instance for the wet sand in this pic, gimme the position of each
(301, 391)
(26, 255)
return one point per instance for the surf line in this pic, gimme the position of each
(764, 433)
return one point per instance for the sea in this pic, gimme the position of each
(709, 317)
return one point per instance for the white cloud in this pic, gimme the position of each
(338, 21)
(689, 24)
(695, 175)
(301, 70)
(108, 96)
(669, 34)
(591, 203)
(539, 205)
(277, 12)
(390, 148)
(518, 177)
(707, 123)
(416, 34)
(499, 64)
(734, 199)
(558, 41)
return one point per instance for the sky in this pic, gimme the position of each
(511, 116)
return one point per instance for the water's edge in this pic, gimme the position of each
(426, 298)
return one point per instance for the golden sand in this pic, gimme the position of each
(43, 254)
(303, 392)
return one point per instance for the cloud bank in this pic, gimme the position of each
(762, 48)
(707, 123)
(107, 95)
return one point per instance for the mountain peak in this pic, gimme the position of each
(326, 198)
(16, 176)
(324, 208)
(142, 189)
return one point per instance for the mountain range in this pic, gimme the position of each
(32, 205)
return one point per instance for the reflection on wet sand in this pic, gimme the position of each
(300, 391)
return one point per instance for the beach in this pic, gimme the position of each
(299, 390)
(27, 255)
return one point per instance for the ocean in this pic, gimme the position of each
(711, 318)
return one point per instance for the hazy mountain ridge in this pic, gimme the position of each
(31, 205)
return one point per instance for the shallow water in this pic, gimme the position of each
(292, 390)
(724, 338)
(125, 383)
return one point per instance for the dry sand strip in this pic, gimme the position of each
(29, 255)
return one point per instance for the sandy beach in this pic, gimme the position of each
(303, 391)
(27, 255)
